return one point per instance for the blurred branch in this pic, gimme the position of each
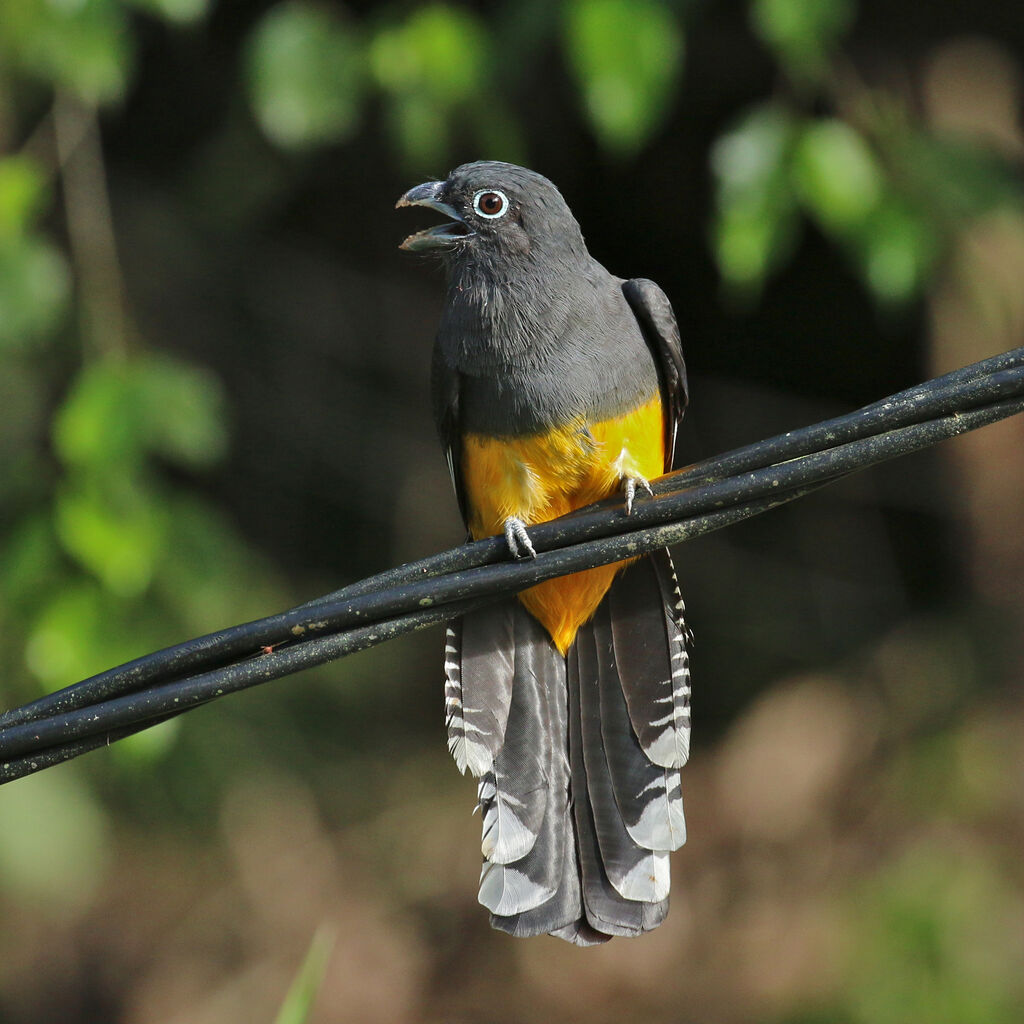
(90, 226)
(689, 503)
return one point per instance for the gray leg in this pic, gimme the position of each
(629, 486)
(518, 539)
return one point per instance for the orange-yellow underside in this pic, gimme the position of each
(545, 476)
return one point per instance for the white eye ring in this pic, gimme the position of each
(491, 192)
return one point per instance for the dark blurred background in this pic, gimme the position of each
(214, 404)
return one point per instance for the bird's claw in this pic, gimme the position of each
(518, 539)
(629, 487)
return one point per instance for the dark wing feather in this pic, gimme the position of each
(654, 313)
(444, 388)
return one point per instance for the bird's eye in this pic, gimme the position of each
(490, 203)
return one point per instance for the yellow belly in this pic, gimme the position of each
(545, 476)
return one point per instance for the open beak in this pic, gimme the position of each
(441, 236)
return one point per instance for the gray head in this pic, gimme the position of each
(498, 211)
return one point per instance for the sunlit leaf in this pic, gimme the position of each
(802, 32)
(434, 68)
(753, 156)
(83, 46)
(898, 249)
(34, 289)
(756, 217)
(118, 410)
(305, 71)
(22, 193)
(627, 56)
(84, 628)
(752, 239)
(100, 422)
(836, 175)
(439, 50)
(117, 533)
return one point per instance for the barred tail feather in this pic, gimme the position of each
(652, 658)
(578, 758)
(647, 796)
(479, 665)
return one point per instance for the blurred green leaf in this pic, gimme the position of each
(84, 45)
(99, 422)
(953, 178)
(756, 218)
(298, 1003)
(627, 56)
(118, 410)
(34, 290)
(84, 629)
(30, 562)
(53, 839)
(802, 32)
(898, 249)
(836, 175)
(183, 412)
(208, 575)
(421, 128)
(182, 11)
(305, 72)
(148, 746)
(434, 66)
(22, 193)
(117, 533)
(439, 50)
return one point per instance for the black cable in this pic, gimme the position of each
(31, 746)
(958, 391)
(130, 697)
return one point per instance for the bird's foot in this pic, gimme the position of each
(630, 484)
(518, 539)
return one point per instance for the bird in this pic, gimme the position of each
(556, 384)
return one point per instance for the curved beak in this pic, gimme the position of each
(443, 235)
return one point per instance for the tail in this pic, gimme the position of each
(578, 757)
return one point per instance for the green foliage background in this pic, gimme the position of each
(213, 403)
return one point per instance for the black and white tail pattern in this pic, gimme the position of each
(577, 757)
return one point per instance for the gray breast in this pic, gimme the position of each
(597, 365)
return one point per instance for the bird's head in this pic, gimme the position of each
(494, 209)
